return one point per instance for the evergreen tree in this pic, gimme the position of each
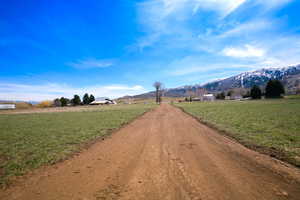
(274, 89)
(76, 100)
(86, 99)
(64, 101)
(255, 92)
(221, 95)
(92, 98)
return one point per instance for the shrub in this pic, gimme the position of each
(45, 104)
(57, 102)
(229, 93)
(274, 89)
(255, 92)
(248, 94)
(221, 95)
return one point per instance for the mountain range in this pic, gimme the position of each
(289, 76)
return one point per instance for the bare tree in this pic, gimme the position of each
(190, 94)
(200, 92)
(298, 89)
(158, 87)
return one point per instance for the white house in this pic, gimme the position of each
(236, 97)
(7, 106)
(208, 97)
(102, 101)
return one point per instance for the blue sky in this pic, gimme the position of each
(57, 48)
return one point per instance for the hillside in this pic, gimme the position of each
(290, 77)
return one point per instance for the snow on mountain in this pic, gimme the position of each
(258, 77)
(289, 76)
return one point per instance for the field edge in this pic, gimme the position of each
(81, 147)
(272, 152)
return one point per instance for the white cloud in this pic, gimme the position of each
(223, 7)
(272, 4)
(195, 65)
(248, 28)
(215, 43)
(123, 87)
(247, 51)
(207, 68)
(279, 52)
(11, 91)
(91, 63)
(170, 18)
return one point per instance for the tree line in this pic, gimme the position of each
(75, 101)
(273, 89)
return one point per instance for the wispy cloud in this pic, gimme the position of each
(272, 4)
(170, 18)
(244, 52)
(229, 37)
(202, 69)
(223, 7)
(248, 28)
(197, 66)
(50, 91)
(91, 63)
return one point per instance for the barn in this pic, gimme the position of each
(103, 101)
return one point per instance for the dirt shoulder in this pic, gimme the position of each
(165, 154)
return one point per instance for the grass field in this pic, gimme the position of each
(28, 141)
(270, 126)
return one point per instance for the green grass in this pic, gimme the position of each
(296, 96)
(272, 125)
(28, 141)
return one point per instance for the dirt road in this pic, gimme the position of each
(165, 154)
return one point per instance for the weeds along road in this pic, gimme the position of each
(165, 154)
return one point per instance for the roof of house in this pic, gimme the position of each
(208, 95)
(102, 98)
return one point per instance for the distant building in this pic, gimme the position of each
(208, 97)
(204, 97)
(103, 101)
(7, 106)
(236, 97)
